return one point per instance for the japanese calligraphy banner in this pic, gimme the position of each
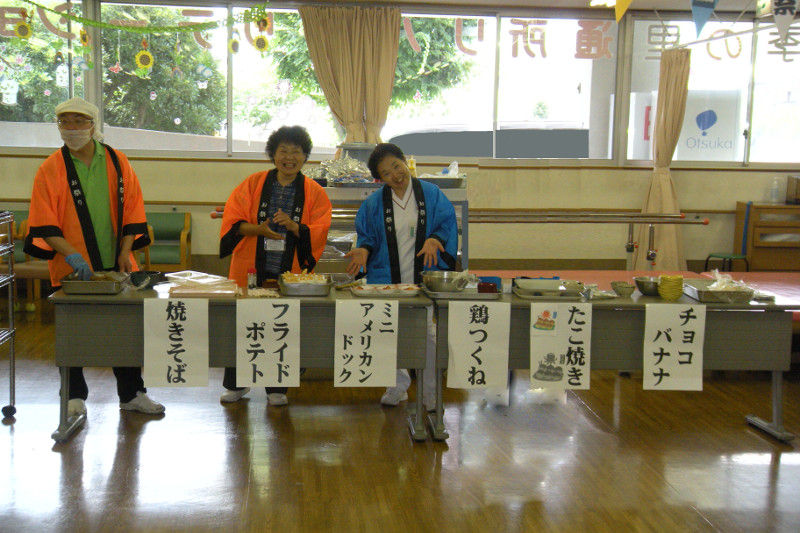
(268, 343)
(365, 351)
(673, 347)
(783, 11)
(561, 339)
(478, 344)
(175, 343)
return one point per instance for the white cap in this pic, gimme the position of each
(79, 105)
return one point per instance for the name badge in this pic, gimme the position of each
(274, 245)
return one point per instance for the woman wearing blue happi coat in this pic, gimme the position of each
(403, 228)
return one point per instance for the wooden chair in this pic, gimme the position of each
(170, 249)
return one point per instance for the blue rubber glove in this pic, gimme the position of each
(80, 266)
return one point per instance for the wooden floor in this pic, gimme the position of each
(614, 458)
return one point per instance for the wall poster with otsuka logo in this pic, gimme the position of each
(711, 127)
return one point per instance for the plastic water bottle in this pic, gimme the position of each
(775, 191)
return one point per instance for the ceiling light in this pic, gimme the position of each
(602, 3)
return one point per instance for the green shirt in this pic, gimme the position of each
(94, 181)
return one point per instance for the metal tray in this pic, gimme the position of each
(446, 183)
(550, 296)
(698, 289)
(72, 285)
(377, 291)
(357, 184)
(543, 294)
(466, 294)
(305, 289)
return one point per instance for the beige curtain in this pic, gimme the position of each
(673, 86)
(354, 51)
(380, 61)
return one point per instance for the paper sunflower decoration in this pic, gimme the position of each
(84, 37)
(23, 30)
(263, 24)
(233, 43)
(144, 59)
(261, 43)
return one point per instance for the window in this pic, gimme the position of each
(716, 105)
(776, 98)
(166, 90)
(443, 95)
(277, 86)
(557, 80)
(43, 58)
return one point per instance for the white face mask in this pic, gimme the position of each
(76, 139)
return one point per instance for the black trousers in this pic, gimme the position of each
(229, 382)
(129, 382)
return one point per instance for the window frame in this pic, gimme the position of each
(93, 84)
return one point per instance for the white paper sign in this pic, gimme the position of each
(673, 347)
(175, 342)
(478, 344)
(268, 343)
(561, 339)
(365, 352)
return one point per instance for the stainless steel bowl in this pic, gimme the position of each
(647, 285)
(443, 281)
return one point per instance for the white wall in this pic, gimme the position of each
(507, 184)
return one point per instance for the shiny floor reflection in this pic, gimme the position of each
(614, 458)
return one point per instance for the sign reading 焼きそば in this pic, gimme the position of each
(673, 347)
(365, 350)
(175, 342)
(561, 339)
(268, 343)
(477, 334)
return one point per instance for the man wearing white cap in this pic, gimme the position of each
(86, 215)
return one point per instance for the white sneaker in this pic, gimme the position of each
(230, 396)
(393, 396)
(75, 407)
(277, 398)
(143, 404)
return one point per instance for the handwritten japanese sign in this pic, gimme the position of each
(365, 352)
(561, 339)
(478, 344)
(268, 343)
(673, 347)
(175, 343)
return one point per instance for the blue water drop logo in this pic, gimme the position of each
(705, 120)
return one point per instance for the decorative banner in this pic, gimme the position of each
(255, 13)
(701, 11)
(478, 344)
(783, 11)
(763, 8)
(673, 347)
(561, 339)
(268, 343)
(365, 351)
(175, 343)
(621, 7)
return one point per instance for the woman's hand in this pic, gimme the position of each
(429, 250)
(286, 221)
(358, 260)
(266, 231)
